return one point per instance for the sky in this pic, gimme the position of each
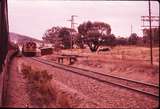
(34, 17)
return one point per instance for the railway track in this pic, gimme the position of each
(141, 87)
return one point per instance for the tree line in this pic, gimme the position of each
(94, 34)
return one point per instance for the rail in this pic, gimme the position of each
(141, 87)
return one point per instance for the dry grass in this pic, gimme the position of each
(86, 89)
(134, 53)
(39, 85)
(67, 97)
(128, 61)
(42, 87)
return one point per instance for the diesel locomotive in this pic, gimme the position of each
(29, 49)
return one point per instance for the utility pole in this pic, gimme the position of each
(148, 19)
(72, 21)
(150, 33)
(131, 28)
(72, 25)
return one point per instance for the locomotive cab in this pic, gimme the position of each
(29, 49)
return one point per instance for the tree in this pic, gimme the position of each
(93, 32)
(67, 35)
(60, 37)
(121, 41)
(79, 41)
(109, 40)
(51, 35)
(93, 40)
(155, 36)
(101, 27)
(133, 39)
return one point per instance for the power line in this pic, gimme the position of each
(149, 19)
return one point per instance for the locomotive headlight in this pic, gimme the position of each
(99, 39)
(20, 47)
(15, 41)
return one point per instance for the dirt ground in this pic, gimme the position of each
(130, 62)
(70, 90)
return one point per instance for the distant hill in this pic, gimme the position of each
(21, 38)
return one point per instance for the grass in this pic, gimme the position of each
(39, 84)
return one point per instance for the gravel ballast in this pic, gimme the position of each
(109, 96)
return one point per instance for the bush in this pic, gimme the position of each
(40, 80)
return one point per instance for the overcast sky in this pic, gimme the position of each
(34, 17)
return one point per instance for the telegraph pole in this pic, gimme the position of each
(131, 28)
(72, 21)
(72, 25)
(148, 19)
(150, 33)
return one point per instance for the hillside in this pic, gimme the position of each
(21, 38)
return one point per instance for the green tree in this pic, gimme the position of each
(79, 41)
(67, 35)
(93, 40)
(155, 36)
(121, 41)
(133, 39)
(109, 40)
(60, 37)
(93, 32)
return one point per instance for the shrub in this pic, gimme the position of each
(40, 80)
